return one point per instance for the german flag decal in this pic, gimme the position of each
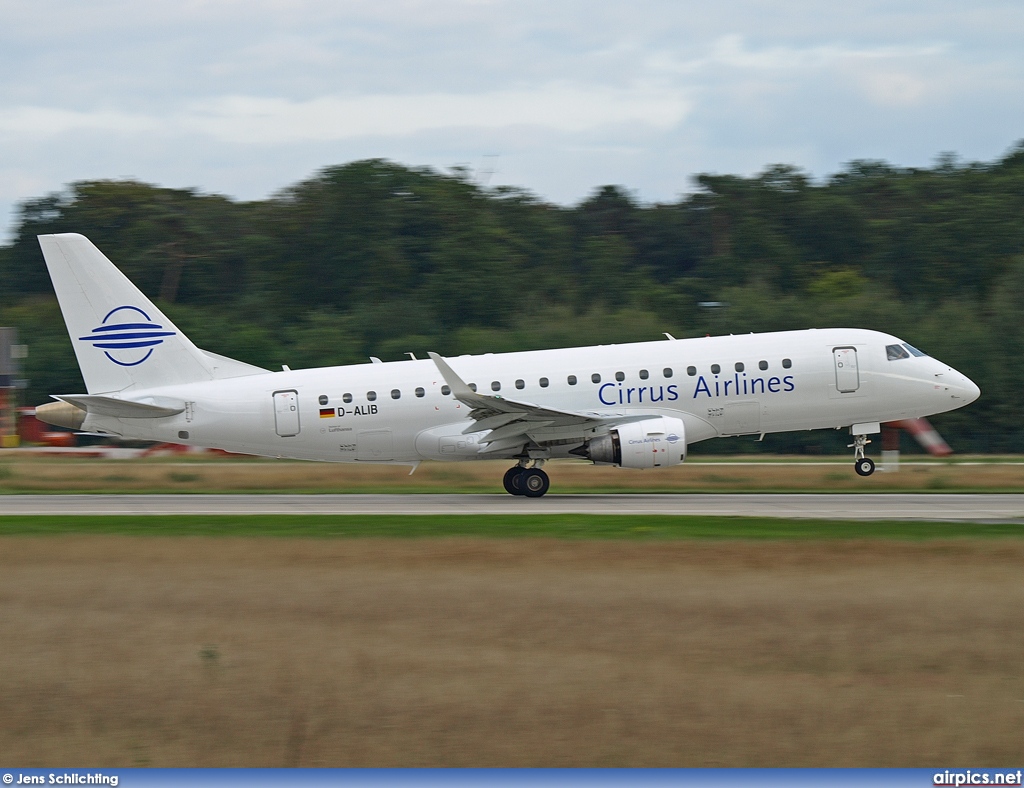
(327, 413)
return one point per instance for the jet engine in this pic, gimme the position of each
(651, 443)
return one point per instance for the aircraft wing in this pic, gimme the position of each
(511, 423)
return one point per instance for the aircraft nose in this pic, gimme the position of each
(962, 388)
(971, 390)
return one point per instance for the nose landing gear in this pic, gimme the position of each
(864, 466)
(530, 481)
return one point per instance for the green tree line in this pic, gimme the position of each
(376, 258)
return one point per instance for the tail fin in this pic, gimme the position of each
(122, 341)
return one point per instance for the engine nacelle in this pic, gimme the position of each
(651, 443)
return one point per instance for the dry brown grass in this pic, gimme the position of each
(25, 474)
(178, 652)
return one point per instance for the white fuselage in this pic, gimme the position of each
(398, 412)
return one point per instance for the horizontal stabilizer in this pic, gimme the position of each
(98, 405)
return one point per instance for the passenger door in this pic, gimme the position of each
(286, 413)
(847, 373)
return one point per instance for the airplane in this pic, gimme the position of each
(637, 405)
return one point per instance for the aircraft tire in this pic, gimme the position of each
(513, 481)
(865, 466)
(534, 483)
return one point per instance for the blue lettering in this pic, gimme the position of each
(661, 394)
(673, 393)
(600, 394)
(730, 387)
(629, 395)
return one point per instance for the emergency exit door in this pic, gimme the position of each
(847, 373)
(286, 413)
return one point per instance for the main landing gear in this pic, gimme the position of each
(864, 466)
(529, 481)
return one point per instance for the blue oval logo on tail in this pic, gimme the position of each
(124, 338)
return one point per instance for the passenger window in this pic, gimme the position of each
(644, 374)
(396, 394)
(786, 363)
(346, 397)
(571, 380)
(323, 399)
(420, 392)
(739, 366)
(543, 383)
(520, 384)
(691, 371)
(472, 387)
(762, 365)
(620, 376)
(715, 369)
(446, 390)
(371, 395)
(495, 385)
(595, 378)
(667, 372)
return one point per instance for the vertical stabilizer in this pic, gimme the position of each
(122, 341)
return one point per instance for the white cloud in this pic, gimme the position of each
(733, 51)
(50, 121)
(562, 108)
(273, 121)
(894, 88)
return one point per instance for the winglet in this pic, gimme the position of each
(457, 384)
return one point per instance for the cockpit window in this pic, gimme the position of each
(896, 352)
(914, 350)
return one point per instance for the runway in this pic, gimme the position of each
(1001, 508)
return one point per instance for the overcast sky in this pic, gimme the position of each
(245, 98)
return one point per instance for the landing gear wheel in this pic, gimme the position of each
(534, 483)
(513, 481)
(863, 465)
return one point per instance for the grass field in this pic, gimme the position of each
(527, 640)
(198, 650)
(21, 473)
